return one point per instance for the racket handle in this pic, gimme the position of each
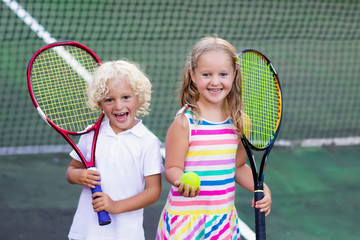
(104, 218)
(259, 216)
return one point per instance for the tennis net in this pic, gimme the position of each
(314, 45)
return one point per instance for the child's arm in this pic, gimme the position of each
(176, 145)
(77, 174)
(244, 177)
(102, 202)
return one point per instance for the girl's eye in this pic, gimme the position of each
(108, 99)
(206, 74)
(223, 74)
(126, 97)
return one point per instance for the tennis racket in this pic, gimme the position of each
(57, 78)
(262, 119)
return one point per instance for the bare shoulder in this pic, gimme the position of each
(180, 125)
(177, 141)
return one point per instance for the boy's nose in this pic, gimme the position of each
(119, 105)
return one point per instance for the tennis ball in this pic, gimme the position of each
(191, 179)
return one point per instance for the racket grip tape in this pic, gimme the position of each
(103, 216)
(259, 216)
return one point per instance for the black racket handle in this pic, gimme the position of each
(259, 216)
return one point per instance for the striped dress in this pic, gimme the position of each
(211, 214)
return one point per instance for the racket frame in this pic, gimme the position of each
(258, 175)
(61, 131)
(104, 218)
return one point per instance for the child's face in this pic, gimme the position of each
(120, 105)
(214, 76)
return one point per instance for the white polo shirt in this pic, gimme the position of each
(123, 161)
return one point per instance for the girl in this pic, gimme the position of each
(127, 155)
(204, 138)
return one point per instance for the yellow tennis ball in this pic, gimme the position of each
(191, 179)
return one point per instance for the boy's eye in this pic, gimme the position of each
(108, 99)
(126, 97)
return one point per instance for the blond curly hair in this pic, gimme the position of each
(125, 70)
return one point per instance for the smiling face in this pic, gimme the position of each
(120, 105)
(213, 76)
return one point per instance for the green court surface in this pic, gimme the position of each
(315, 196)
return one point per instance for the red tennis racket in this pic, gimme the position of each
(57, 78)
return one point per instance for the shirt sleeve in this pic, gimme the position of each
(153, 162)
(83, 145)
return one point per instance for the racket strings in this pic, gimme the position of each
(58, 80)
(261, 95)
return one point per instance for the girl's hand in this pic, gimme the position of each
(264, 204)
(187, 192)
(102, 202)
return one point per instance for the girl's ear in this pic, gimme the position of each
(191, 74)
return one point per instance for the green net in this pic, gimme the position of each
(314, 46)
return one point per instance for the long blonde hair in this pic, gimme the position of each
(189, 94)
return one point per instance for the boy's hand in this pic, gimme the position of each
(77, 174)
(102, 202)
(88, 178)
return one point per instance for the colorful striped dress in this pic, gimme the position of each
(211, 214)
